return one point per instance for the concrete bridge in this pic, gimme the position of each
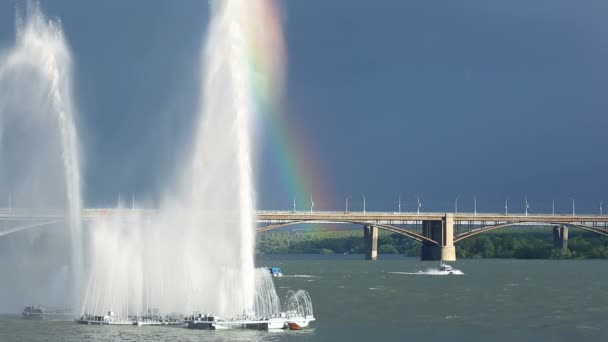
(438, 232)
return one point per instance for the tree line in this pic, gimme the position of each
(519, 243)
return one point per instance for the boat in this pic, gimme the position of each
(299, 323)
(275, 271)
(32, 312)
(294, 326)
(447, 269)
(49, 313)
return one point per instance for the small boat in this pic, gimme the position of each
(32, 312)
(294, 326)
(447, 269)
(49, 313)
(275, 271)
(299, 323)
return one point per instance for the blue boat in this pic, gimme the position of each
(275, 271)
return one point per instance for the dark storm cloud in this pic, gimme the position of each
(435, 98)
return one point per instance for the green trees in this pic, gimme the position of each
(387, 249)
(521, 243)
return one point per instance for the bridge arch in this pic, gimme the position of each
(485, 229)
(387, 227)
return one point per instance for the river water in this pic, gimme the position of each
(389, 299)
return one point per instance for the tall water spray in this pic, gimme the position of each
(36, 114)
(197, 253)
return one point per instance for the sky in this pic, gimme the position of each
(437, 99)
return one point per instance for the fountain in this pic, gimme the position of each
(196, 254)
(37, 130)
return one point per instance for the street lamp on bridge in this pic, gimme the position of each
(507, 206)
(364, 203)
(456, 205)
(399, 204)
(527, 205)
(573, 212)
(601, 213)
(419, 204)
(553, 207)
(346, 209)
(294, 204)
(475, 204)
(312, 203)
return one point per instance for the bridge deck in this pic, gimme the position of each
(273, 217)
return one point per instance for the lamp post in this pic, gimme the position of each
(456, 205)
(527, 206)
(399, 204)
(346, 210)
(573, 211)
(419, 204)
(364, 203)
(507, 206)
(601, 213)
(294, 204)
(475, 204)
(312, 203)
(553, 207)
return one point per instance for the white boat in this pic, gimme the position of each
(447, 269)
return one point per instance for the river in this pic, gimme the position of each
(389, 299)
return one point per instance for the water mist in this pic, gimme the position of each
(197, 253)
(39, 151)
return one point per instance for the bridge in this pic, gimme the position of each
(438, 232)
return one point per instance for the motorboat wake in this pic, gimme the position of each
(444, 269)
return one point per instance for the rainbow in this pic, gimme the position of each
(297, 171)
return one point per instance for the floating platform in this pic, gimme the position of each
(272, 323)
(204, 322)
(111, 319)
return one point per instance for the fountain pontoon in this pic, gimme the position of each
(109, 319)
(284, 321)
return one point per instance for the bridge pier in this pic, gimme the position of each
(560, 237)
(370, 238)
(442, 232)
